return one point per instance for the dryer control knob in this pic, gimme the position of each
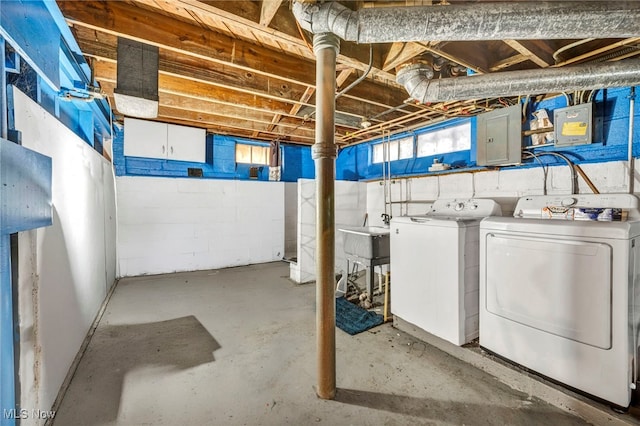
(568, 202)
(458, 207)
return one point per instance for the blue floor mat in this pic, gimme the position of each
(353, 319)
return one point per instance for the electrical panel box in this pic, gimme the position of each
(499, 137)
(573, 125)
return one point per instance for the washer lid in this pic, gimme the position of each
(442, 221)
(584, 229)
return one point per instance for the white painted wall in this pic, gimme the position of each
(290, 219)
(505, 186)
(185, 224)
(65, 270)
(351, 207)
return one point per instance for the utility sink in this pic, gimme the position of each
(367, 242)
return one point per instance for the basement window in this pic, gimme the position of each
(252, 154)
(444, 140)
(399, 149)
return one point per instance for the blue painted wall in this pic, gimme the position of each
(611, 106)
(52, 66)
(354, 162)
(220, 161)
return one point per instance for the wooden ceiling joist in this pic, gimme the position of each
(269, 9)
(240, 56)
(400, 53)
(520, 48)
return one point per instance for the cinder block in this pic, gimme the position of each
(459, 185)
(423, 189)
(521, 182)
(607, 177)
(486, 184)
(559, 180)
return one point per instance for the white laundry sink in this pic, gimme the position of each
(367, 242)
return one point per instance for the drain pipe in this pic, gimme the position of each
(325, 47)
(477, 21)
(415, 79)
(630, 159)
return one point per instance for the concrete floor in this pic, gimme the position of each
(237, 346)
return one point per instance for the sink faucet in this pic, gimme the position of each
(385, 218)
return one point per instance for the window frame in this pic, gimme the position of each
(253, 147)
(398, 144)
(444, 128)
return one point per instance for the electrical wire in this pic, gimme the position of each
(574, 174)
(556, 54)
(545, 169)
(525, 105)
(362, 77)
(303, 36)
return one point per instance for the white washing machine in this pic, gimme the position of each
(434, 267)
(559, 290)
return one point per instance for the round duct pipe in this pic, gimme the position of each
(515, 83)
(478, 21)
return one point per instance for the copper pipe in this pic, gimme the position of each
(586, 179)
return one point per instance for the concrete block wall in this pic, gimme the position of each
(65, 270)
(505, 186)
(168, 225)
(350, 210)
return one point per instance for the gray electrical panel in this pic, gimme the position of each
(573, 125)
(500, 137)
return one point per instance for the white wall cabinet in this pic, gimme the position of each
(163, 141)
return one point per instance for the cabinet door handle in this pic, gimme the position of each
(163, 149)
(172, 150)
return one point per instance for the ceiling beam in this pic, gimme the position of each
(231, 24)
(120, 19)
(508, 62)
(520, 48)
(295, 109)
(477, 69)
(342, 76)
(268, 11)
(215, 74)
(400, 53)
(174, 82)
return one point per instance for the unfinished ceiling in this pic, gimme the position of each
(247, 69)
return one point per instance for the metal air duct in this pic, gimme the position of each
(514, 83)
(136, 94)
(478, 21)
